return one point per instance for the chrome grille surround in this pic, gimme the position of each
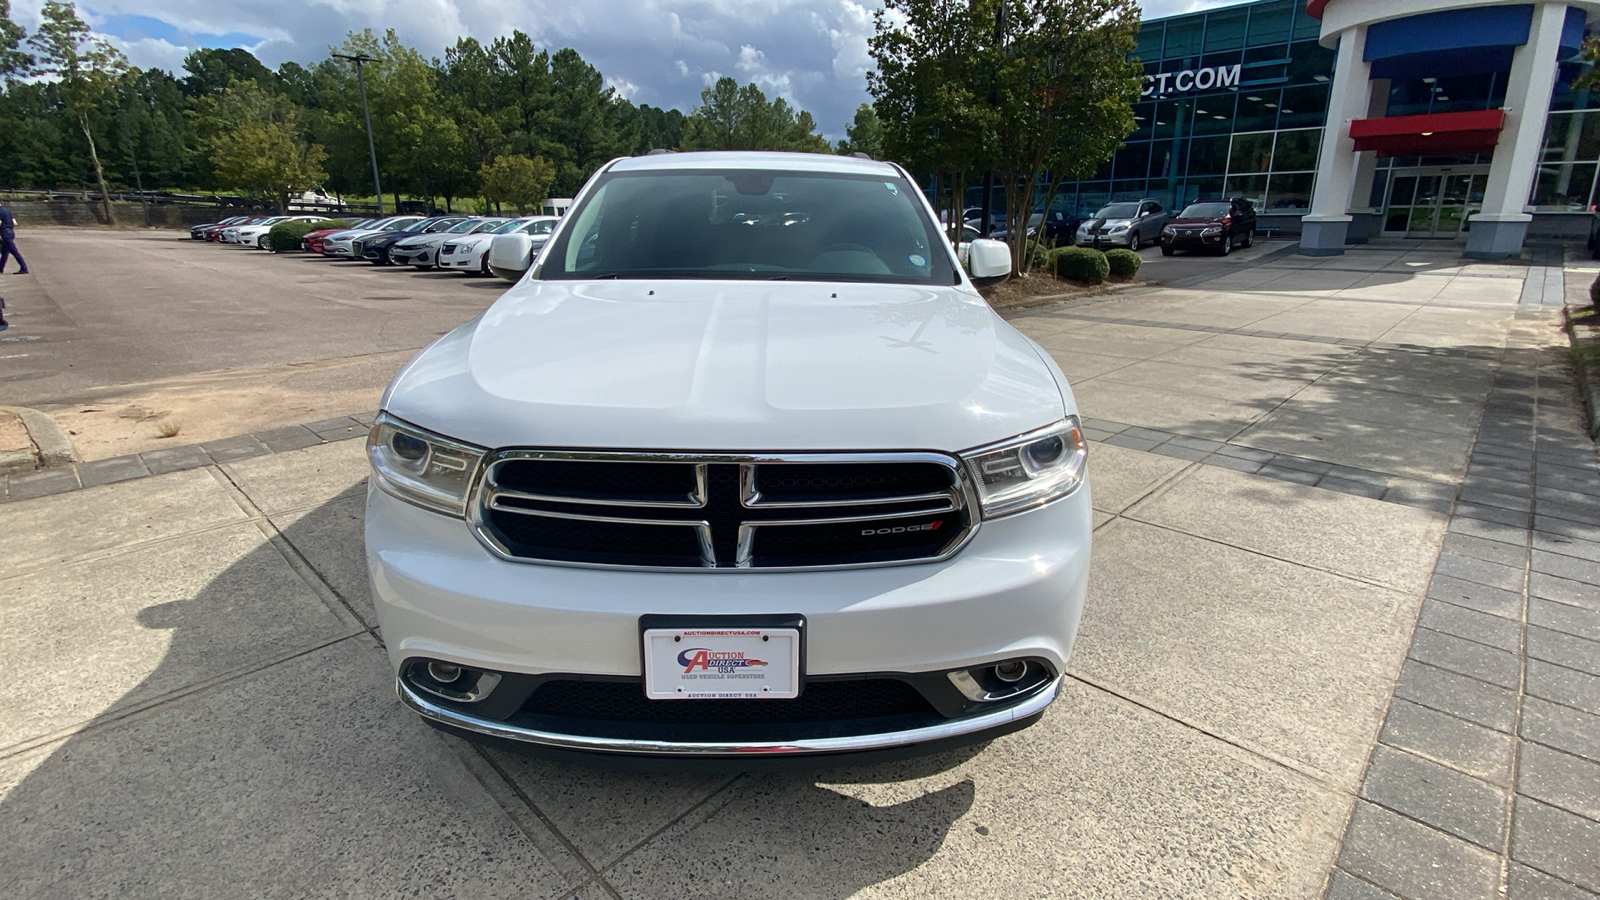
(959, 499)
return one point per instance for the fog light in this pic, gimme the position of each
(1011, 671)
(444, 673)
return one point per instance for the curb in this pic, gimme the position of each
(55, 448)
(1588, 373)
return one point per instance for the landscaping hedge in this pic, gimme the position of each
(285, 237)
(1124, 263)
(1084, 265)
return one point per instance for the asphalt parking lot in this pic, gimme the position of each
(1341, 637)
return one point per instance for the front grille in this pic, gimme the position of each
(448, 248)
(693, 512)
(821, 701)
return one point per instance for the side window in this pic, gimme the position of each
(1155, 209)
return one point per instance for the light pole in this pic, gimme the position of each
(372, 150)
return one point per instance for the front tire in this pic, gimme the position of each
(1133, 241)
(1227, 245)
(1165, 250)
(1249, 238)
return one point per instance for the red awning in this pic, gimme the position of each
(1314, 8)
(1437, 134)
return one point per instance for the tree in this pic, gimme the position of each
(256, 143)
(87, 67)
(931, 91)
(521, 181)
(733, 118)
(1027, 89)
(864, 135)
(1066, 82)
(212, 69)
(13, 60)
(659, 128)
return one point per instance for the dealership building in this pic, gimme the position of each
(1342, 120)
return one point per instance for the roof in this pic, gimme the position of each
(750, 159)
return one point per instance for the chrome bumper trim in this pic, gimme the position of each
(954, 728)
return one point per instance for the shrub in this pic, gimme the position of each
(1038, 255)
(285, 237)
(1124, 263)
(1084, 265)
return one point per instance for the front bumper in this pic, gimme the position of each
(470, 262)
(1015, 591)
(1098, 241)
(412, 257)
(1192, 241)
(337, 248)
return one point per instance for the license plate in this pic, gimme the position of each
(721, 663)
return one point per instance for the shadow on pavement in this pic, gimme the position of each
(254, 763)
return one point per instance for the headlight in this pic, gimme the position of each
(1215, 229)
(421, 467)
(1117, 228)
(1169, 231)
(1030, 470)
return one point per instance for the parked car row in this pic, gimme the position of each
(484, 245)
(1216, 226)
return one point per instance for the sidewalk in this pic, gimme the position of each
(1282, 687)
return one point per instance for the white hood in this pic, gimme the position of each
(732, 366)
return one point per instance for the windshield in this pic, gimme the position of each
(1205, 211)
(479, 225)
(1118, 211)
(397, 224)
(465, 226)
(510, 227)
(539, 226)
(750, 224)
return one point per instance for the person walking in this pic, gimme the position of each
(8, 242)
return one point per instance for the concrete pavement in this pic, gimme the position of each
(1280, 452)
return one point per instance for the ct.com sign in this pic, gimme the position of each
(1214, 78)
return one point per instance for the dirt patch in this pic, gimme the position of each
(13, 434)
(222, 405)
(1038, 287)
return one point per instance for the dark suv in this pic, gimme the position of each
(1215, 225)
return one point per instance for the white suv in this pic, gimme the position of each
(743, 467)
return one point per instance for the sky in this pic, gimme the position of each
(813, 53)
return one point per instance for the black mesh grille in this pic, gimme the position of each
(821, 701)
(843, 482)
(654, 482)
(578, 540)
(717, 516)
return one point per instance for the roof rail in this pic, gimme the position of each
(859, 155)
(659, 151)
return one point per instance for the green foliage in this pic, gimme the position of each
(436, 123)
(13, 60)
(285, 236)
(256, 143)
(731, 117)
(212, 69)
(864, 135)
(1038, 255)
(521, 181)
(1084, 265)
(1124, 263)
(86, 68)
(1017, 87)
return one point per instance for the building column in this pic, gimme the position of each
(1499, 229)
(1323, 230)
(1366, 219)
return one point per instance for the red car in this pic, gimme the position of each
(314, 240)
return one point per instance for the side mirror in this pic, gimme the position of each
(988, 261)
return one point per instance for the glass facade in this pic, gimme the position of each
(1235, 104)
